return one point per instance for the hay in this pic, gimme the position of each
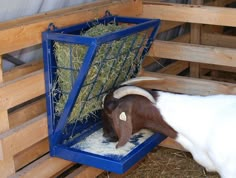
(168, 163)
(109, 68)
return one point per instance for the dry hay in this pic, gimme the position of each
(102, 72)
(168, 163)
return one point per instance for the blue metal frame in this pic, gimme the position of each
(71, 35)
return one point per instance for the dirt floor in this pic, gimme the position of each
(168, 163)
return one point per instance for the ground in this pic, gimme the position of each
(168, 163)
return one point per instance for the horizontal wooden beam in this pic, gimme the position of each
(44, 167)
(175, 68)
(194, 53)
(27, 112)
(216, 39)
(219, 2)
(22, 70)
(185, 38)
(22, 89)
(216, 67)
(188, 85)
(85, 172)
(167, 25)
(30, 154)
(26, 32)
(23, 136)
(190, 13)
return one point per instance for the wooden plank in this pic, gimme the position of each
(28, 33)
(44, 167)
(190, 13)
(183, 38)
(4, 126)
(216, 67)
(167, 25)
(1, 69)
(222, 79)
(7, 167)
(194, 53)
(219, 2)
(23, 70)
(22, 89)
(187, 85)
(171, 143)
(30, 154)
(23, 136)
(27, 112)
(221, 40)
(195, 38)
(175, 68)
(85, 172)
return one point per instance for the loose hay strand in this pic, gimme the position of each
(109, 68)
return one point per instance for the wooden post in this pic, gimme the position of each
(3, 112)
(6, 164)
(195, 37)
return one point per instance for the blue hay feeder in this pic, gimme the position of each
(67, 138)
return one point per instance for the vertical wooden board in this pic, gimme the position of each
(4, 122)
(1, 69)
(7, 167)
(195, 37)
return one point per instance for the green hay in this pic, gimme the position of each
(102, 72)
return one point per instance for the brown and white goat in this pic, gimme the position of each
(204, 125)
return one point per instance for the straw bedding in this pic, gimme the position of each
(168, 163)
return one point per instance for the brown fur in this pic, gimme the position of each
(140, 112)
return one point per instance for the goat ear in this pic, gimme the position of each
(125, 130)
(112, 104)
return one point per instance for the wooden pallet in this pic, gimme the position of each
(23, 121)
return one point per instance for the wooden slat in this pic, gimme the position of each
(195, 38)
(22, 89)
(44, 167)
(194, 53)
(219, 2)
(85, 172)
(167, 25)
(27, 112)
(188, 85)
(30, 154)
(22, 70)
(190, 13)
(28, 33)
(7, 167)
(4, 121)
(175, 68)
(1, 69)
(216, 67)
(23, 136)
(183, 38)
(221, 40)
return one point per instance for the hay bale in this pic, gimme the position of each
(114, 63)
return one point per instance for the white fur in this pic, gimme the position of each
(206, 127)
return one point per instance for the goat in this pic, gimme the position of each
(203, 125)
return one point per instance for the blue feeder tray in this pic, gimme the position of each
(82, 141)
